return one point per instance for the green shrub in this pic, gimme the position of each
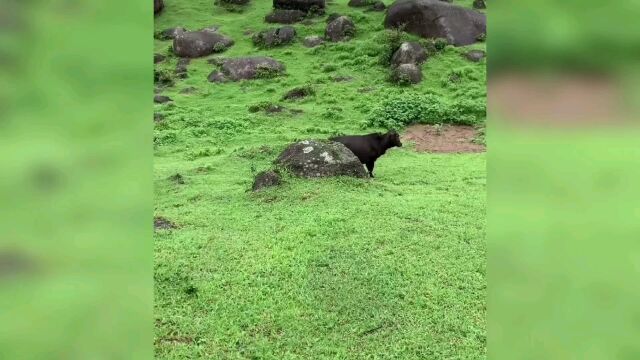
(404, 109)
(196, 154)
(265, 72)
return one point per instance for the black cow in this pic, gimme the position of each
(368, 148)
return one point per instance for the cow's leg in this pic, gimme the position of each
(370, 168)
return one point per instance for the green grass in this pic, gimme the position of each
(331, 268)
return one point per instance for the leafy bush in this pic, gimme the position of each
(409, 108)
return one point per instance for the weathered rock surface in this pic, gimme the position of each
(437, 19)
(409, 53)
(193, 44)
(282, 16)
(266, 179)
(407, 74)
(161, 99)
(246, 68)
(312, 41)
(274, 37)
(181, 68)
(340, 29)
(170, 33)
(158, 58)
(314, 158)
(475, 55)
(378, 6)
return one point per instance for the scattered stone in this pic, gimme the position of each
(158, 58)
(161, 223)
(340, 29)
(267, 107)
(255, 67)
(313, 41)
(217, 77)
(247, 32)
(475, 55)
(177, 178)
(274, 37)
(161, 99)
(378, 6)
(181, 68)
(406, 74)
(266, 179)
(299, 93)
(158, 5)
(479, 4)
(157, 117)
(312, 6)
(280, 16)
(342, 78)
(170, 34)
(217, 61)
(409, 53)
(315, 158)
(193, 44)
(189, 90)
(437, 19)
(359, 3)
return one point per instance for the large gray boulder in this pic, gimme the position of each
(475, 55)
(315, 158)
(437, 19)
(340, 29)
(409, 53)
(246, 68)
(274, 37)
(193, 44)
(302, 5)
(158, 5)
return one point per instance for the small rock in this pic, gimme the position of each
(157, 117)
(170, 34)
(312, 41)
(407, 74)
(378, 6)
(409, 53)
(217, 77)
(274, 37)
(280, 16)
(195, 44)
(158, 58)
(161, 99)
(266, 179)
(181, 68)
(340, 29)
(314, 158)
(298, 93)
(479, 4)
(475, 55)
(188, 90)
(161, 223)
(177, 178)
(302, 5)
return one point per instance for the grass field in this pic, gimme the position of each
(391, 268)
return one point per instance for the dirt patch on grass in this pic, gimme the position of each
(444, 138)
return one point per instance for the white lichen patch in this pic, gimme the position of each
(306, 142)
(327, 158)
(308, 149)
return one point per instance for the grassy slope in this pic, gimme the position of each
(334, 268)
